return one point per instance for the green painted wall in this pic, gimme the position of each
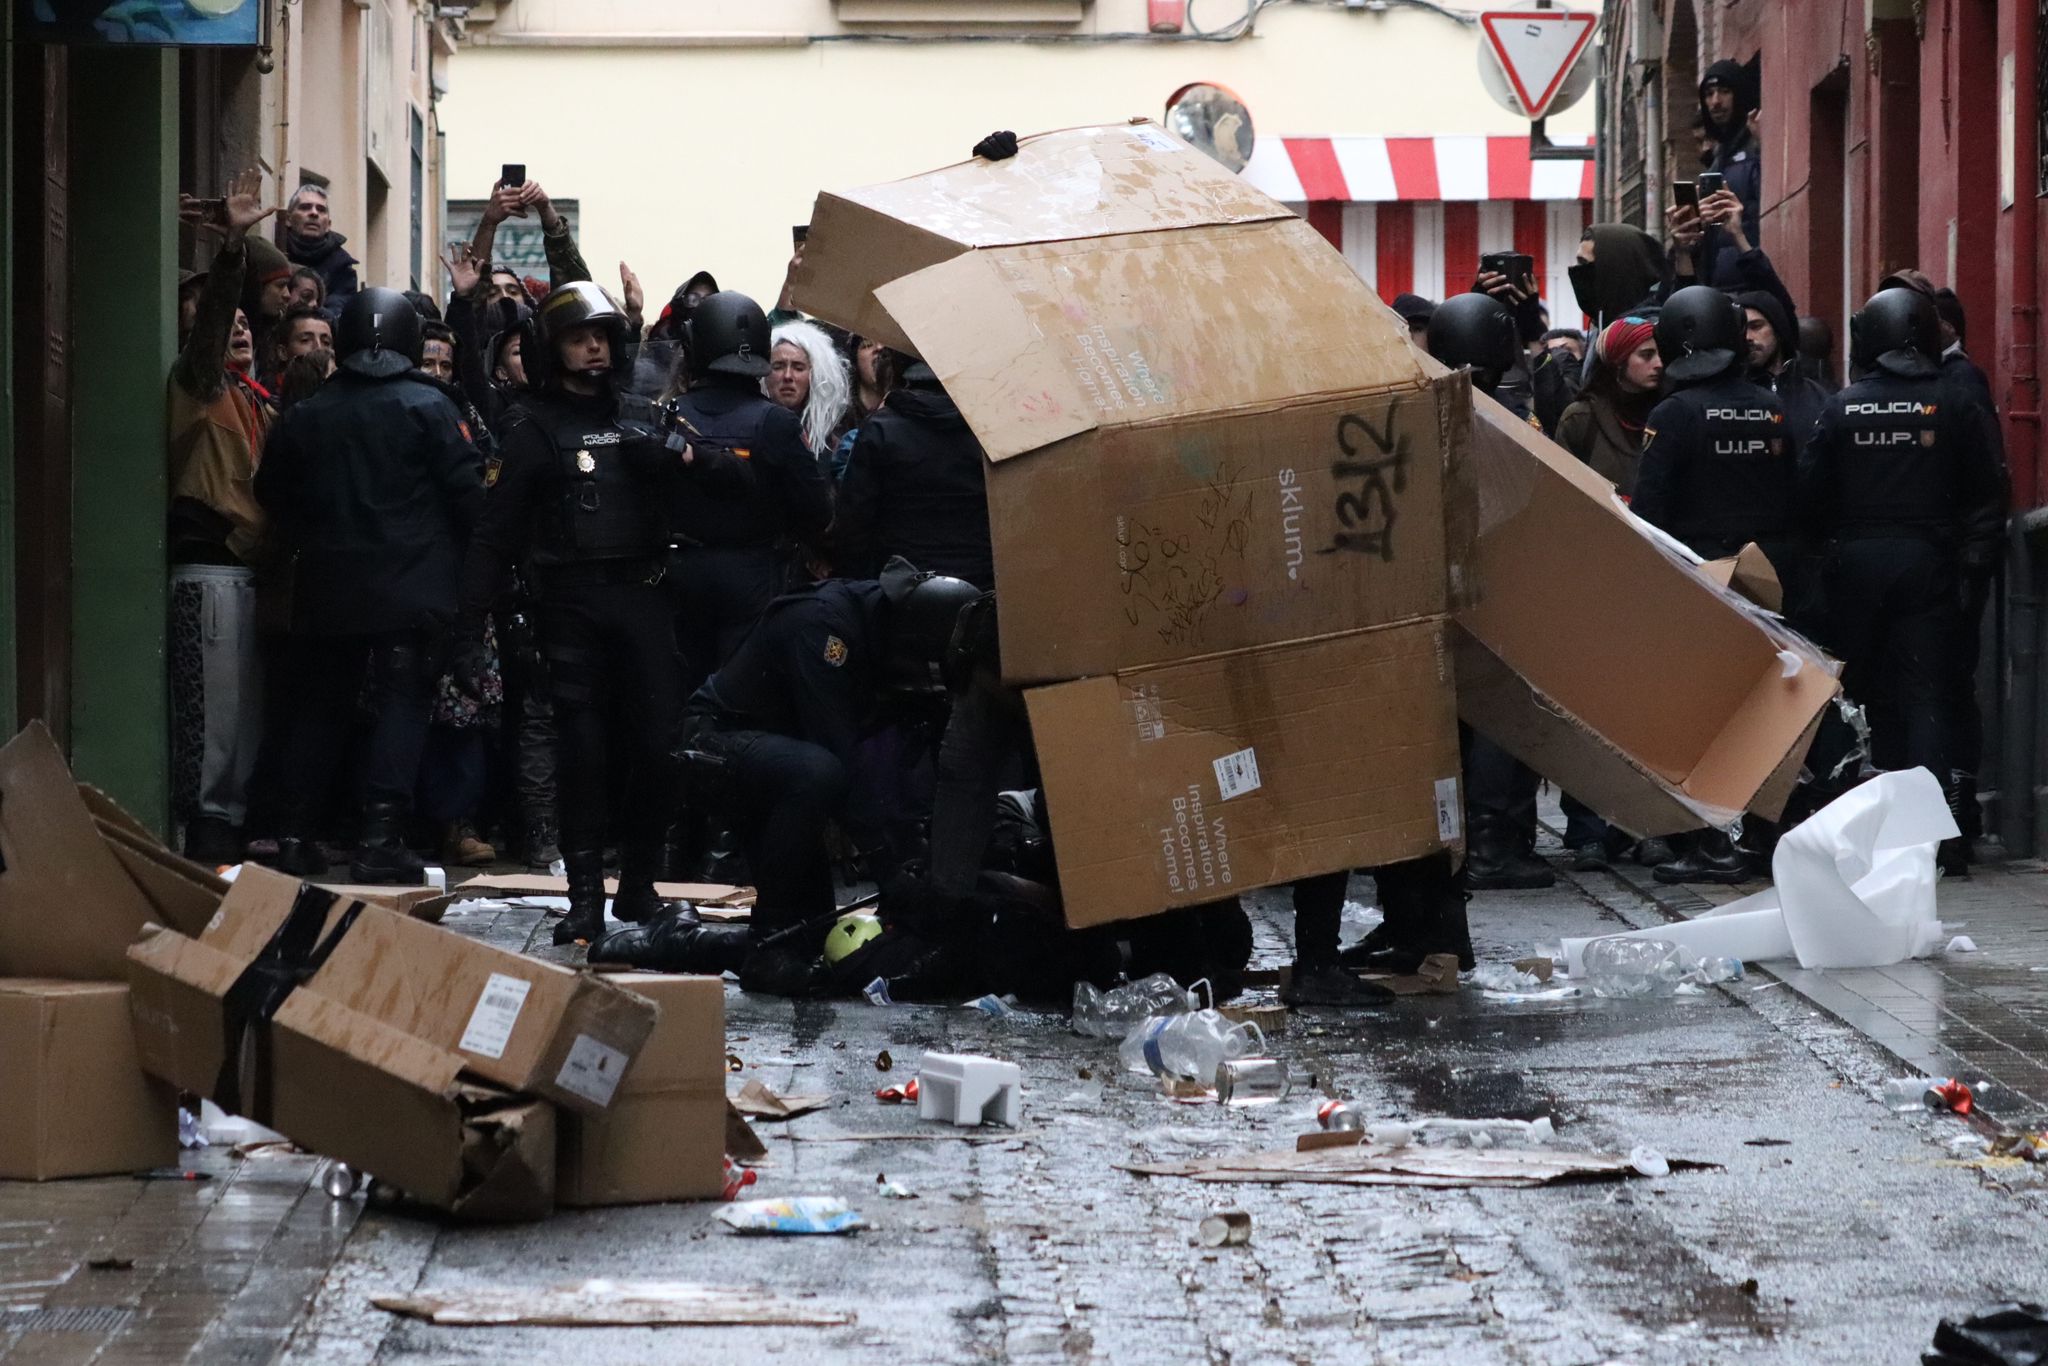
(124, 186)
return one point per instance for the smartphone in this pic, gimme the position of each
(799, 234)
(1711, 183)
(512, 173)
(1514, 265)
(1685, 194)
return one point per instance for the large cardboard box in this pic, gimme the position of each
(521, 1023)
(79, 877)
(1205, 432)
(1610, 665)
(664, 1136)
(1187, 782)
(78, 1103)
(340, 1083)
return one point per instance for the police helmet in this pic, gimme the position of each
(850, 932)
(1700, 333)
(378, 334)
(1476, 330)
(574, 305)
(1897, 330)
(924, 609)
(728, 334)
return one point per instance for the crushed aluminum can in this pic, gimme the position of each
(1337, 1117)
(1951, 1095)
(737, 1179)
(906, 1094)
(1225, 1228)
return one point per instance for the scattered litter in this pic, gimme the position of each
(1225, 1228)
(1100, 1014)
(1855, 886)
(897, 1095)
(1648, 1161)
(223, 1130)
(1766, 1142)
(1517, 998)
(1356, 921)
(1540, 967)
(998, 1007)
(733, 1063)
(757, 1101)
(1905, 1094)
(877, 992)
(1372, 1165)
(1750, 1287)
(188, 1130)
(1952, 1095)
(1622, 967)
(1251, 1081)
(883, 1062)
(110, 1264)
(1437, 975)
(1337, 1117)
(737, 1179)
(2026, 1147)
(608, 1304)
(340, 1180)
(2004, 1335)
(1502, 977)
(799, 1214)
(1974, 1142)
(893, 1190)
(965, 1090)
(1962, 943)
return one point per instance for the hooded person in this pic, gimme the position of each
(1727, 100)
(1773, 342)
(311, 241)
(676, 312)
(1621, 270)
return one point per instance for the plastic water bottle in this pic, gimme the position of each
(1110, 1014)
(1190, 1046)
(1909, 1093)
(1714, 970)
(1633, 967)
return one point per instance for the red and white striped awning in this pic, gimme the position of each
(1379, 169)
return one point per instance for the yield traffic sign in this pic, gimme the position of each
(1537, 50)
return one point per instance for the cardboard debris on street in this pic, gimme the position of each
(757, 1101)
(610, 1304)
(1366, 1164)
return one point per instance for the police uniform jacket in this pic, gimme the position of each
(812, 669)
(786, 495)
(1717, 468)
(375, 488)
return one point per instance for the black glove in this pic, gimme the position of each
(997, 146)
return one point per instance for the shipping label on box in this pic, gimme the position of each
(1267, 765)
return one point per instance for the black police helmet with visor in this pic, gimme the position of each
(1899, 331)
(378, 334)
(924, 612)
(728, 334)
(1478, 331)
(1700, 333)
(577, 304)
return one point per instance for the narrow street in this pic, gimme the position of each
(1832, 1230)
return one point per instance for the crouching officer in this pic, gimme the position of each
(1895, 469)
(771, 736)
(1717, 474)
(582, 499)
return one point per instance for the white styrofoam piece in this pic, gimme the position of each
(967, 1090)
(1853, 886)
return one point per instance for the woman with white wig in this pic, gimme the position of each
(808, 376)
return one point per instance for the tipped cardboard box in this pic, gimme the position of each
(78, 1103)
(342, 1084)
(79, 877)
(1612, 667)
(1205, 433)
(664, 1136)
(1188, 782)
(516, 1021)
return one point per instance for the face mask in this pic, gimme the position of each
(1585, 287)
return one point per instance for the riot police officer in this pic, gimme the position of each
(583, 497)
(374, 486)
(778, 725)
(1900, 462)
(1717, 474)
(734, 550)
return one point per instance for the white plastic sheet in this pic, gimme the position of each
(1853, 886)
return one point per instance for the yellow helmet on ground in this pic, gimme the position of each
(850, 932)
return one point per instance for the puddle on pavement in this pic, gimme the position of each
(1473, 1092)
(1659, 1283)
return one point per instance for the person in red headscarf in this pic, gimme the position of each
(1604, 425)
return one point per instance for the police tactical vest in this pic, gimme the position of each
(1895, 465)
(1739, 478)
(605, 509)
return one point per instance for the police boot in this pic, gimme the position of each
(1327, 984)
(540, 849)
(783, 970)
(213, 841)
(299, 857)
(1432, 921)
(637, 901)
(1498, 860)
(383, 856)
(1712, 858)
(676, 941)
(585, 922)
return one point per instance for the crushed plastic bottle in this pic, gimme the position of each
(1189, 1046)
(1632, 968)
(1906, 1094)
(1110, 1014)
(1711, 971)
